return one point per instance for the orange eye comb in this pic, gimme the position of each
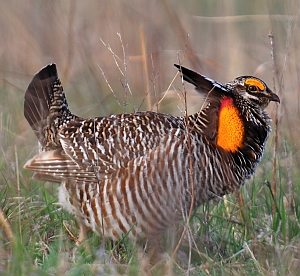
(255, 82)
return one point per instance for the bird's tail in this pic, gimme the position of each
(45, 106)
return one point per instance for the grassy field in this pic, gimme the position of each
(117, 56)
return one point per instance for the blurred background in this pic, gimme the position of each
(117, 56)
(132, 46)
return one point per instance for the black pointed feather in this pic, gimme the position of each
(201, 82)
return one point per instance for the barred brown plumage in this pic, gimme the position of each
(130, 173)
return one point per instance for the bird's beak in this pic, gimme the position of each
(272, 96)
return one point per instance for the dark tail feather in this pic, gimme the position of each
(45, 101)
(202, 83)
(38, 98)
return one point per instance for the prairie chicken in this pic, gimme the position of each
(132, 173)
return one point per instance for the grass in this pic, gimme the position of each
(246, 233)
(226, 239)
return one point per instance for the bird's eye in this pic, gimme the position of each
(252, 88)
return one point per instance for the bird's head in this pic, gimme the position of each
(254, 90)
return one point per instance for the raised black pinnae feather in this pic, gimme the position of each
(201, 82)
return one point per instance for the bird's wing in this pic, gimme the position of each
(109, 143)
(94, 149)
